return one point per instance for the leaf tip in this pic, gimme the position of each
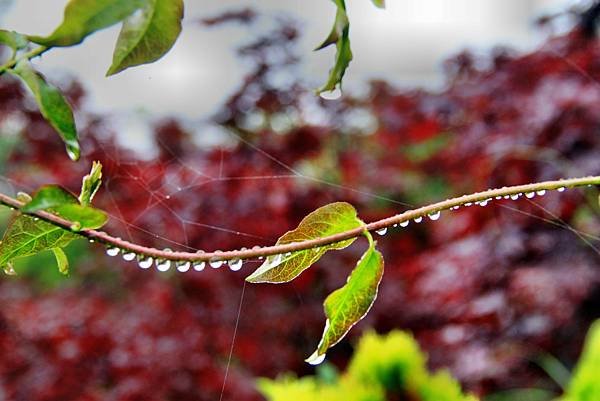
(315, 359)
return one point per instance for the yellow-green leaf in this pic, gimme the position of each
(340, 36)
(26, 236)
(12, 39)
(48, 197)
(379, 3)
(327, 220)
(53, 106)
(83, 17)
(90, 184)
(147, 35)
(83, 217)
(346, 306)
(61, 260)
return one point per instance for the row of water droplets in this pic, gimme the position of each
(437, 214)
(164, 265)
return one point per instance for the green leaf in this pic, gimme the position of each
(49, 197)
(340, 36)
(53, 106)
(83, 17)
(26, 236)
(12, 39)
(346, 306)
(83, 217)
(327, 220)
(61, 260)
(90, 184)
(379, 3)
(148, 35)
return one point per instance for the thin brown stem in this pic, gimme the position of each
(422, 212)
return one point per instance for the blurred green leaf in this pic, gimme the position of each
(379, 3)
(522, 394)
(148, 35)
(339, 36)
(12, 39)
(346, 306)
(554, 368)
(61, 260)
(426, 149)
(26, 236)
(83, 17)
(49, 197)
(325, 221)
(584, 385)
(90, 184)
(53, 106)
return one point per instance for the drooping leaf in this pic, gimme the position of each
(53, 106)
(146, 36)
(379, 3)
(340, 36)
(61, 260)
(49, 197)
(346, 306)
(90, 184)
(83, 217)
(83, 17)
(26, 236)
(325, 221)
(12, 39)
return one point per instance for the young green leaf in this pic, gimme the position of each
(325, 221)
(52, 104)
(12, 39)
(49, 197)
(146, 36)
(83, 17)
(379, 3)
(90, 184)
(83, 217)
(61, 260)
(346, 306)
(340, 36)
(25, 236)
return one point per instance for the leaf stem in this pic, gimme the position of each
(38, 51)
(489, 195)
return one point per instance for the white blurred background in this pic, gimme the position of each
(405, 44)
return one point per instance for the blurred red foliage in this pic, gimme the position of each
(484, 289)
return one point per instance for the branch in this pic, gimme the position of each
(38, 51)
(431, 211)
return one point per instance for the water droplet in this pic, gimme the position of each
(199, 265)
(529, 195)
(183, 265)
(316, 359)
(216, 263)
(506, 196)
(404, 223)
(382, 231)
(9, 270)
(515, 196)
(541, 192)
(168, 197)
(91, 241)
(112, 251)
(162, 265)
(418, 219)
(468, 204)
(331, 95)
(235, 264)
(498, 197)
(484, 202)
(128, 256)
(395, 225)
(435, 215)
(561, 189)
(288, 254)
(145, 262)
